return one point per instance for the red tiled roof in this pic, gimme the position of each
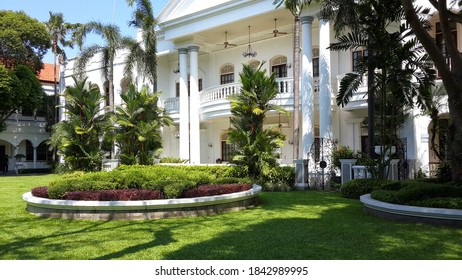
(47, 73)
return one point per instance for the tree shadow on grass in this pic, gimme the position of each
(284, 226)
(160, 238)
(328, 237)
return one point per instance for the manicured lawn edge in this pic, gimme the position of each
(407, 213)
(142, 209)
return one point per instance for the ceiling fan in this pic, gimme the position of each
(276, 32)
(226, 43)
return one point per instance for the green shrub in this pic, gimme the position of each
(279, 178)
(440, 202)
(173, 180)
(416, 192)
(358, 187)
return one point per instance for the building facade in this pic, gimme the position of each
(24, 141)
(202, 46)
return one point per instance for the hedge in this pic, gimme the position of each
(420, 193)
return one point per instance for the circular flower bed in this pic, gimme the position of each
(204, 200)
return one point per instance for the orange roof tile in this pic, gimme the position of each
(47, 73)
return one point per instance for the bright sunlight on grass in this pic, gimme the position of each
(296, 225)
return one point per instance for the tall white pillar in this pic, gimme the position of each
(184, 105)
(35, 157)
(307, 87)
(195, 137)
(325, 113)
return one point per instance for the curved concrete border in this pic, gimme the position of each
(141, 209)
(411, 213)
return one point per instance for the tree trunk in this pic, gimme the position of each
(370, 111)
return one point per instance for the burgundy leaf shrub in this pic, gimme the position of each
(40, 192)
(114, 195)
(216, 189)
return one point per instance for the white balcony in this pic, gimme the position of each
(214, 101)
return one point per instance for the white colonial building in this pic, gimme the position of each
(24, 141)
(202, 46)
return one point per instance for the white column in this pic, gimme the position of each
(195, 136)
(307, 86)
(35, 157)
(184, 105)
(325, 113)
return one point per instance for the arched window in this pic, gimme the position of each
(254, 63)
(279, 66)
(227, 74)
(29, 150)
(43, 153)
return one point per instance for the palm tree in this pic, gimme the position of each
(295, 7)
(143, 54)
(59, 29)
(114, 42)
(80, 138)
(139, 121)
(254, 146)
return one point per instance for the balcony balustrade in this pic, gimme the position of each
(214, 101)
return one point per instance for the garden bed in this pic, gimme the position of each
(141, 209)
(406, 213)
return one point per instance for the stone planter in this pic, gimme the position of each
(141, 209)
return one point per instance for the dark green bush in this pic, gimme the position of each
(358, 187)
(440, 202)
(418, 193)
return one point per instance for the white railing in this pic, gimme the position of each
(219, 92)
(172, 104)
(222, 92)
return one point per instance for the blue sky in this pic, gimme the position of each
(82, 11)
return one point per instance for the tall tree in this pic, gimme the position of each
(295, 7)
(80, 138)
(139, 122)
(23, 40)
(59, 30)
(405, 71)
(113, 42)
(19, 88)
(142, 54)
(451, 74)
(254, 146)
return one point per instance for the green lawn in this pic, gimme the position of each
(296, 225)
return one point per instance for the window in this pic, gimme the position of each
(254, 64)
(43, 153)
(227, 74)
(29, 150)
(189, 88)
(227, 150)
(358, 60)
(440, 41)
(279, 66)
(316, 67)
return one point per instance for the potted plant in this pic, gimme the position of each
(19, 157)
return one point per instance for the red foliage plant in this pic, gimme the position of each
(142, 194)
(40, 192)
(114, 195)
(216, 189)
